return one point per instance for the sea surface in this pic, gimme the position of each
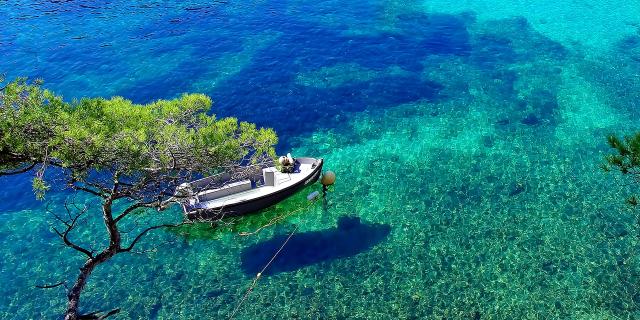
(466, 137)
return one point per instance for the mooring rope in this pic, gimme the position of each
(277, 219)
(259, 275)
(255, 281)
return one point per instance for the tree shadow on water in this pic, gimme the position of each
(350, 238)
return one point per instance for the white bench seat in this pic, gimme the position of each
(227, 190)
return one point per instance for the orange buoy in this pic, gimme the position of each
(328, 178)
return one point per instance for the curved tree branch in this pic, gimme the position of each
(132, 208)
(49, 286)
(18, 171)
(70, 225)
(145, 231)
(70, 244)
(87, 190)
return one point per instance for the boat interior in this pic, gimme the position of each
(220, 190)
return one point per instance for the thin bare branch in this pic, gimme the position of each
(70, 225)
(145, 231)
(132, 208)
(97, 186)
(65, 238)
(18, 171)
(93, 192)
(153, 248)
(49, 286)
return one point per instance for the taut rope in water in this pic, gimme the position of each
(277, 219)
(259, 275)
(255, 281)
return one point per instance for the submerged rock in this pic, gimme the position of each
(531, 120)
(516, 189)
(616, 230)
(215, 293)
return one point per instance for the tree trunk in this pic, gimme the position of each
(92, 263)
(81, 281)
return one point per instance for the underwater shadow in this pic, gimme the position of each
(350, 238)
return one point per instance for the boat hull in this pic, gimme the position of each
(254, 205)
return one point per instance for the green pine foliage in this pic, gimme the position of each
(626, 159)
(38, 129)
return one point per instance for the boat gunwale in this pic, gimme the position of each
(302, 181)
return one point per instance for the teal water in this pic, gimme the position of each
(466, 137)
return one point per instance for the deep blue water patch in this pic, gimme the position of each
(266, 91)
(519, 33)
(500, 47)
(502, 44)
(353, 11)
(438, 33)
(19, 192)
(629, 43)
(493, 49)
(298, 109)
(18, 188)
(350, 238)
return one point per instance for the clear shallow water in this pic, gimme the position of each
(466, 138)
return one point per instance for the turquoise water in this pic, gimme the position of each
(466, 137)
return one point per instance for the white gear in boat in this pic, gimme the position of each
(286, 160)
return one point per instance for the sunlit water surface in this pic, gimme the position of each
(466, 138)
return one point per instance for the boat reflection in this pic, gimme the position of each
(350, 238)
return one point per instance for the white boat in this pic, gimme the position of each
(257, 192)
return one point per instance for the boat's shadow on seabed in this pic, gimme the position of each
(304, 249)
